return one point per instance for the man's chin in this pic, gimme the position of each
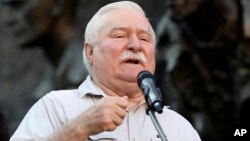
(131, 75)
(129, 78)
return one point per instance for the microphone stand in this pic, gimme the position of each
(151, 113)
(153, 97)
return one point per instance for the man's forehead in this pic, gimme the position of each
(124, 27)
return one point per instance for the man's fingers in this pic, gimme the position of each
(121, 112)
(123, 102)
(117, 120)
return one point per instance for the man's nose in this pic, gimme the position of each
(134, 43)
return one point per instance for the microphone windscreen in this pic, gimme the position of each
(142, 75)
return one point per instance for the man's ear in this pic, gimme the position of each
(88, 50)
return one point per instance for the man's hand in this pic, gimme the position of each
(105, 115)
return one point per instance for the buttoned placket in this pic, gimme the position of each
(131, 129)
(134, 125)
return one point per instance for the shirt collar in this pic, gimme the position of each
(89, 87)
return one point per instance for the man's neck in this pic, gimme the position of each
(131, 90)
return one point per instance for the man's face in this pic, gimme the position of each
(27, 20)
(125, 34)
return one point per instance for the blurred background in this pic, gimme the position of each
(203, 57)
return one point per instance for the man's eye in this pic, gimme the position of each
(144, 39)
(119, 36)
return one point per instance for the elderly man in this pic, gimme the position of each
(108, 105)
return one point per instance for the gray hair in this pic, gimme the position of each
(95, 24)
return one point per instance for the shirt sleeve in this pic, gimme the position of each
(44, 117)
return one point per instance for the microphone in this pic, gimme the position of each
(152, 94)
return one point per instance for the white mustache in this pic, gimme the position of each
(135, 56)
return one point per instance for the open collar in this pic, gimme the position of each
(89, 87)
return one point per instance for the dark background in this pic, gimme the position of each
(203, 58)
